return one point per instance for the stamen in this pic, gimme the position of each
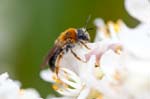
(54, 77)
(118, 49)
(116, 27)
(98, 73)
(66, 84)
(55, 87)
(106, 31)
(58, 81)
(95, 94)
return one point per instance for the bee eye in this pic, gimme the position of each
(82, 35)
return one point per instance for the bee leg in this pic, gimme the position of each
(58, 61)
(84, 45)
(76, 56)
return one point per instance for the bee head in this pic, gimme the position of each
(82, 34)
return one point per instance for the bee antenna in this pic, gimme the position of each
(87, 21)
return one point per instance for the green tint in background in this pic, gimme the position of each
(28, 29)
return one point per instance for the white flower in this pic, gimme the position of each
(139, 9)
(10, 89)
(135, 40)
(68, 84)
(83, 80)
(135, 43)
(118, 62)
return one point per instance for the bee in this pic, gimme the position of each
(65, 42)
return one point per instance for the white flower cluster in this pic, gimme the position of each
(10, 89)
(118, 62)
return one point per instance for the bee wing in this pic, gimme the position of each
(50, 54)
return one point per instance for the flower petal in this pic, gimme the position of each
(47, 75)
(84, 93)
(10, 89)
(30, 94)
(136, 41)
(139, 9)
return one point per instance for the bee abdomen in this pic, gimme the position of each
(52, 60)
